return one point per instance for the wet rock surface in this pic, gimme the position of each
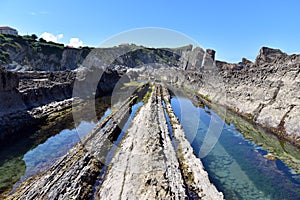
(146, 165)
(74, 175)
(195, 176)
(265, 92)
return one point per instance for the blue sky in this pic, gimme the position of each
(235, 29)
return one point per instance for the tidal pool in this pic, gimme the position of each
(44, 145)
(237, 166)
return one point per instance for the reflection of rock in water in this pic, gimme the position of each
(153, 167)
(12, 155)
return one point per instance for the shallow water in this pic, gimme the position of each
(235, 165)
(39, 158)
(44, 145)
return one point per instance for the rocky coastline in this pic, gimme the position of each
(264, 93)
(174, 172)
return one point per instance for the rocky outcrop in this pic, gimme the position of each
(147, 164)
(25, 53)
(164, 170)
(234, 66)
(268, 55)
(74, 175)
(267, 92)
(264, 92)
(10, 97)
(195, 176)
(22, 93)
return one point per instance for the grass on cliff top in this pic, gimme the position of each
(15, 43)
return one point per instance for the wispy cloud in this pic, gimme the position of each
(34, 13)
(50, 37)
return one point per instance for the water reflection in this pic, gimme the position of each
(43, 145)
(236, 166)
(44, 155)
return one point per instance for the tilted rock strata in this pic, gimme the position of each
(266, 92)
(148, 166)
(194, 173)
(145, 166)
(74, 175)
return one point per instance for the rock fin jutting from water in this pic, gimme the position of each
(147, 164)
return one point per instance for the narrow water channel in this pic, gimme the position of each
(45, 145)
(238, 167)
(113, 149)
(39, 158)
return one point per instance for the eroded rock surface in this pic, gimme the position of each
(74, 175)
(146, 165)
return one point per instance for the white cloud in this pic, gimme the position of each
(60, 36)
(75, 42)
(50, 37)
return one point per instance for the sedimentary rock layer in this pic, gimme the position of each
(146, 165)
(266, 91)
(149, 166)
(74, 175)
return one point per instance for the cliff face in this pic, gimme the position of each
(10, 98)
(268, 91)
(21, 91)
(265, 91)
(25, 53)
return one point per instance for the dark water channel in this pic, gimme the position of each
(44, 145)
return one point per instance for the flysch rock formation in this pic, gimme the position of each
(28, 97)
(146, 165)
(265, 92)
(195, 176)
(73, 176)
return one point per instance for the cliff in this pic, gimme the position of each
(265, 91)
(25, 53)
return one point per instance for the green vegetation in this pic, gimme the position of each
(148, 94)
(188, 175)
(17, 43)
(28, 48)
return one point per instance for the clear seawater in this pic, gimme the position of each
(237, 166)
